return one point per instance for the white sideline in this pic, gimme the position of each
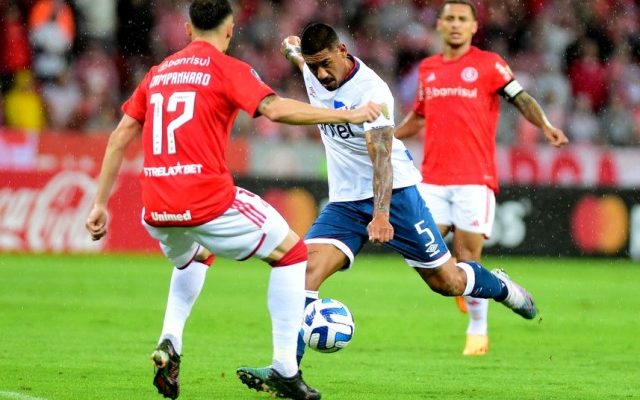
(17, 396)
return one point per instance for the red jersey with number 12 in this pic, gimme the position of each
(460, 102)
(187, 106)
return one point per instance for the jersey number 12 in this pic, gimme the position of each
(157, 100)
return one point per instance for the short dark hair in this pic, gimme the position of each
(465, 2)
(317, 37)
(206, 15)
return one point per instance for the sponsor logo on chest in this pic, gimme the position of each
(451, 87)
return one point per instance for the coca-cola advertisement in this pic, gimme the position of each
(46, 212)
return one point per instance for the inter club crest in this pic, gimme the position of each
(469, 74)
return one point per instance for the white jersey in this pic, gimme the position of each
(348, 163)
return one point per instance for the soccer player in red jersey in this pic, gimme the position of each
(457, 105)
(184, 109)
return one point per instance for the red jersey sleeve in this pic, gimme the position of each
(501, 74)
(245, 89)
(418, 105)
(136, 105)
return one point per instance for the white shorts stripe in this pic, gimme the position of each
(339, 245)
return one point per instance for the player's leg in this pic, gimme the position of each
(324, 260)
(438, 199)
(332, 243)
(418, 239)
(468, 246)
(185, 287)
(252, 228)
(190, 262)
(471, 278)
(473, 210)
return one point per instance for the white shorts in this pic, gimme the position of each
(250, 227)
(470, 208)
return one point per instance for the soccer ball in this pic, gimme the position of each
(327, 326)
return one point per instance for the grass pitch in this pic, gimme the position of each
(82, 327)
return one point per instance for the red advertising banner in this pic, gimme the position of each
(46, 212)
(575, 165)
(47, 185)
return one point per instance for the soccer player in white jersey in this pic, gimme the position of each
(372, 188)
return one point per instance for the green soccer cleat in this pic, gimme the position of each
(166, 364)
(518, 299)
(254, 378)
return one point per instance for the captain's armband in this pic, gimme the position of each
(511, 90)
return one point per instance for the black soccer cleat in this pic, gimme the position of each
(166, 366)
(290, 388)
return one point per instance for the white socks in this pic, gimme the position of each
(185, 287)
(312, 294)
(478, 310)
(286, 304)
(286, 297)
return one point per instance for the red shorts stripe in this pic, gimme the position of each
(487, 207)
(241, 207)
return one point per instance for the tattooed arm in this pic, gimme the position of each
(379, 143)
(531, 110)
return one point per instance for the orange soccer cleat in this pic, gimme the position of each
(477, 345)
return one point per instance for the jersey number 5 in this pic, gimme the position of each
(157, 100)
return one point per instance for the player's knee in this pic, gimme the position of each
(296, 254)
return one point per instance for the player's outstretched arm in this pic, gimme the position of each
(531, 110)
(294, 112)
(125, 132)
(410, 126)
(290, 49)
(379, 145)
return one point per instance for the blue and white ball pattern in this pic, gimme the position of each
(327, 326)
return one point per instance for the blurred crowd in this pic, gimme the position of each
(67, 65)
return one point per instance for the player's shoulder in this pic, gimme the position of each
(487, 55)
(430, 61)
(367, 78)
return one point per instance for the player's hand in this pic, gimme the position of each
(367, 113)
(555, 136)
(380, 229)
(289, 44)
(97, 222)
